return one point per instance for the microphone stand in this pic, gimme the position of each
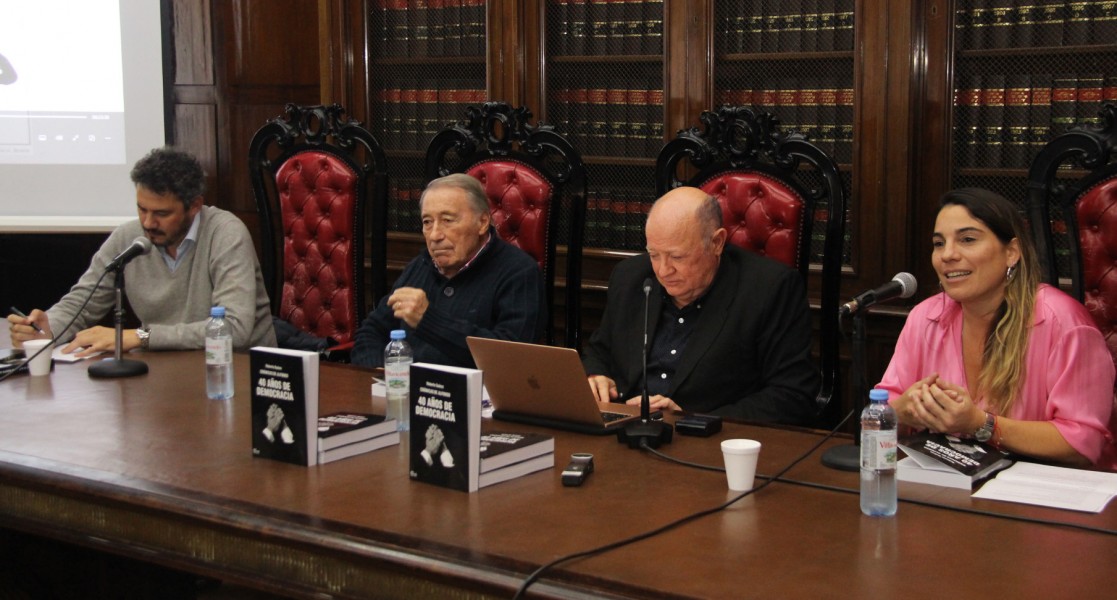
(118, 366)
(847, 457)
(645, 432)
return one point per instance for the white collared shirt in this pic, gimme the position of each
(184, 247)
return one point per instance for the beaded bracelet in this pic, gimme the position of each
(995, 439)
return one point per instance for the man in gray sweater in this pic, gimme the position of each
(203, 257)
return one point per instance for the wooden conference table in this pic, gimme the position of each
(147, 467)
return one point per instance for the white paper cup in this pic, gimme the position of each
(40, 365)
(740, 462)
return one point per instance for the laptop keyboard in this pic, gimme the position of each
(613, 416)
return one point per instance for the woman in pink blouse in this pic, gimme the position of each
(997, 355)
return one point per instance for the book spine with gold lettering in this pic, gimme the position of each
(579, 42)
(633, 17)
(843, 26)
(1018, 100)
(843, 145)
(655, 111)
(827, 23)
(992, 121)
(1000, 23)
(827, 116)
(409, 115)
(1039, 114)
(614, 20)
(452, 27)
(791, 26)
(1026, 17)
(1050, 19)
(419, 29)
(636, 112)
(1064, 99)
(653, 27)
(396, 21)
(616, 112)
(809, 38)
(473, 27)
(393, 115)
(750, 24)
(598, 28)
(436, 23)
(808, 109)
(1076, 29)
(967, 120)
(427, 100)
(1104, 22)
(1089, 99)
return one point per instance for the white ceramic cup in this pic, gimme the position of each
(40, 365)
(740, 462)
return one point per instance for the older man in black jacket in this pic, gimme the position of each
(729, 331)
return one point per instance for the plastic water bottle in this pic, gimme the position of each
(397, 375)
(878, 456)
(219, 356)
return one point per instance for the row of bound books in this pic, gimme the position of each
(602, 121)
(403, 204)
(589, 27)
(615, 218)
(413, 111)
(820, 110)
(425, 28)
(1011, 24)
(1002, 121)
(749, 26)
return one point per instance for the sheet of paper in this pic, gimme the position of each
(1056, 487)
(1055, 496)
(57, 355)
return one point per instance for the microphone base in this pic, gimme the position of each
(652, 433)
(843, 458)
(111, 368)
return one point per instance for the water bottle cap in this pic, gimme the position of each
(878, 395)
(398, 334)
(217, 311)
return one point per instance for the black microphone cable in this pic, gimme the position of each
(50, 346)
(535, 575)
(538, 573)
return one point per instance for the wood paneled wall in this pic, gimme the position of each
(237, 62)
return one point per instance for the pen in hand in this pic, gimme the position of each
(19, 313)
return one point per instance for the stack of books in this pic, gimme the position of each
(447, 447)
(946, 460)
(345, 434)
(506, 455)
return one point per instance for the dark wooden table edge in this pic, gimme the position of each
(264, 549)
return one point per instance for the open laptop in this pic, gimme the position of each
(544, 385)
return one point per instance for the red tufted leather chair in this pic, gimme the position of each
(320, 190)
(534, 180)
(769, 204)
(1088, 207)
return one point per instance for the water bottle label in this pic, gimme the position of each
(219, 351)
(396, 377)
(878, 450)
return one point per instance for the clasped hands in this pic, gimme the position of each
(935, 404)
(436, 447)
(605, 390)
(88, 342)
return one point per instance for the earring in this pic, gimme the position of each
(1010, 272)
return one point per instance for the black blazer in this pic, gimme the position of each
(749, 356)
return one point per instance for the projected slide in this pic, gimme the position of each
(61, 83)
